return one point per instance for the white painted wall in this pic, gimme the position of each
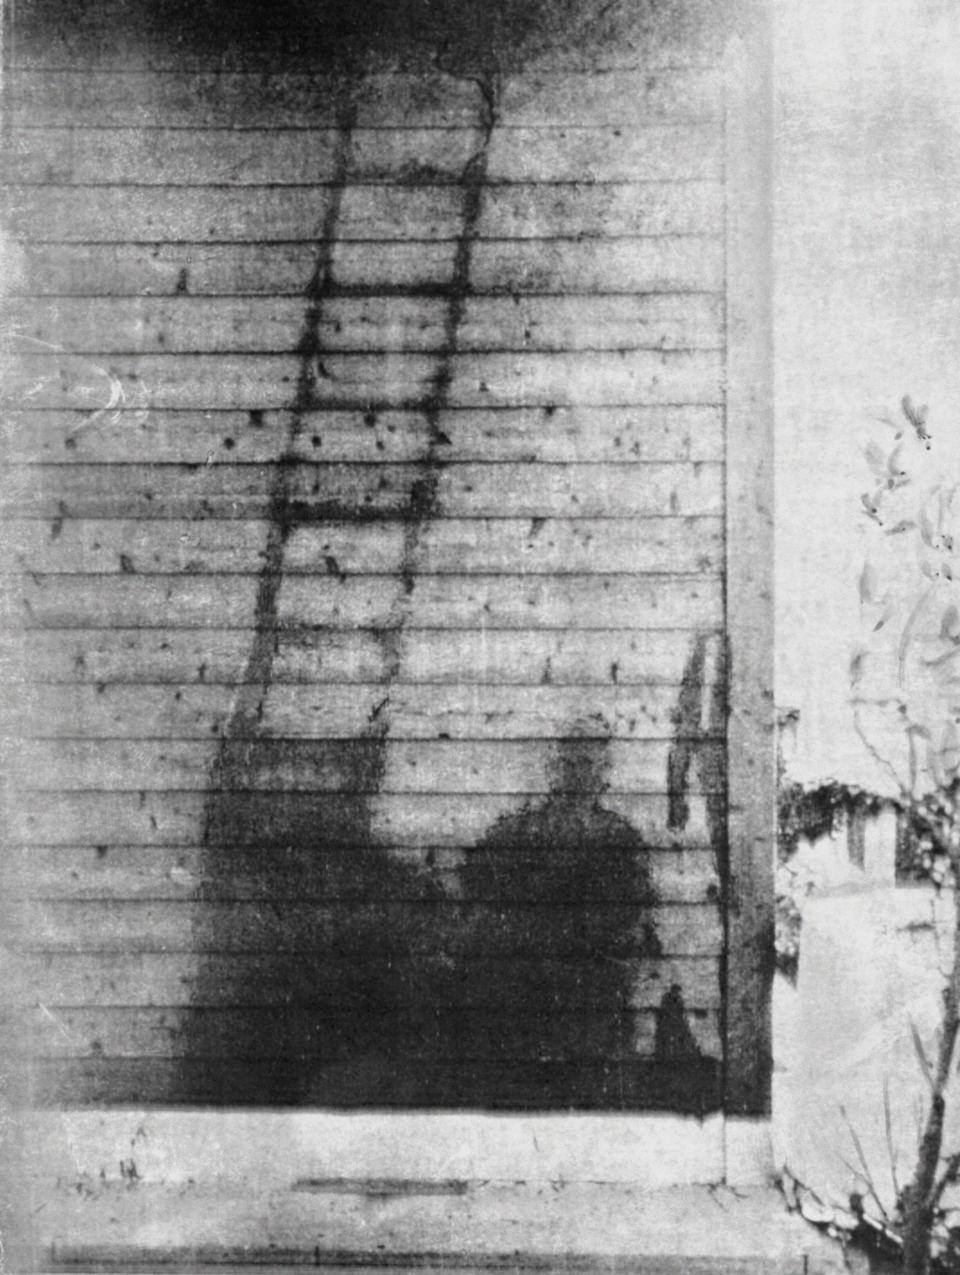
(867, 294)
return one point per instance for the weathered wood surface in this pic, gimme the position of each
(133, 926)
(322, 491)
(548, 435)
(601, 546)
(284, 765)
(463, 1033)
(177, 873)
(374, 216)
(432, 705)
(387, 378)
(371, 601)
(547, 260)
(159, 156)
(418, 710)
(160, 978)
(260, 325)
(183, 657)
(47, 99)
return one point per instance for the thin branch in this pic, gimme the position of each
(866, 1175)
(950, 1175)
(878, 757)
(888, 1135)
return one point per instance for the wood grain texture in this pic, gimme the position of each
(261, 325)
(421, 710)
(549, 435)
(451, 602)
(324, 492)
(183, 657)
(134, 926)
(439, 766)
(363, 630)
(752, 820)
(519, 1086)
(466, 1034)
(233, 99)
(160, 156)
(540, 263)
(375, 216)
(86, 872)
(451, 546)
(158, 978)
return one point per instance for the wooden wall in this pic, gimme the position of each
(366, 709)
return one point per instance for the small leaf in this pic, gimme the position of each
(857, 661)
(894, 467)
(922, 1057)
(887, 612)
(871, 505)
(928, 530)
(868, 583)
(950, 624)
(876, 458)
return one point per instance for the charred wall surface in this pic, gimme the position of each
(368, 420)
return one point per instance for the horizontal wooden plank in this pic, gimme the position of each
(409, 711)
(450, 546)
(126, 35)
(264, 381)
(418, 819)
(668, 263)
(386, 1083)
(439, 766)
(161, 156)
(325, 492)
(570, 434)
(588, 657)
(469, 1035)
(231, 99)
(143, 926)
(157, 979)
(451, 602)
(275, 324)
(243, 872)
(374, 216)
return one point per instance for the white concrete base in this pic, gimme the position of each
(276, 1149)
(241, 1186)
(512, 1226)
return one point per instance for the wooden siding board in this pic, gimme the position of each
(159, 156)
(648, 1085)
(183, 657)
(544, 263)
(448, 547)
(467, 1034)
(85, 872)
(552, 434)
(233, 99)
(749, 874)
(330, 601)
(417, 710)
(133, 926)
(159, 978)
(542, 594)
(262, 325)
(391, 379)
(323, 491)
(521, 767)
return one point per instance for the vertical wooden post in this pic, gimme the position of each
(751, 776)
